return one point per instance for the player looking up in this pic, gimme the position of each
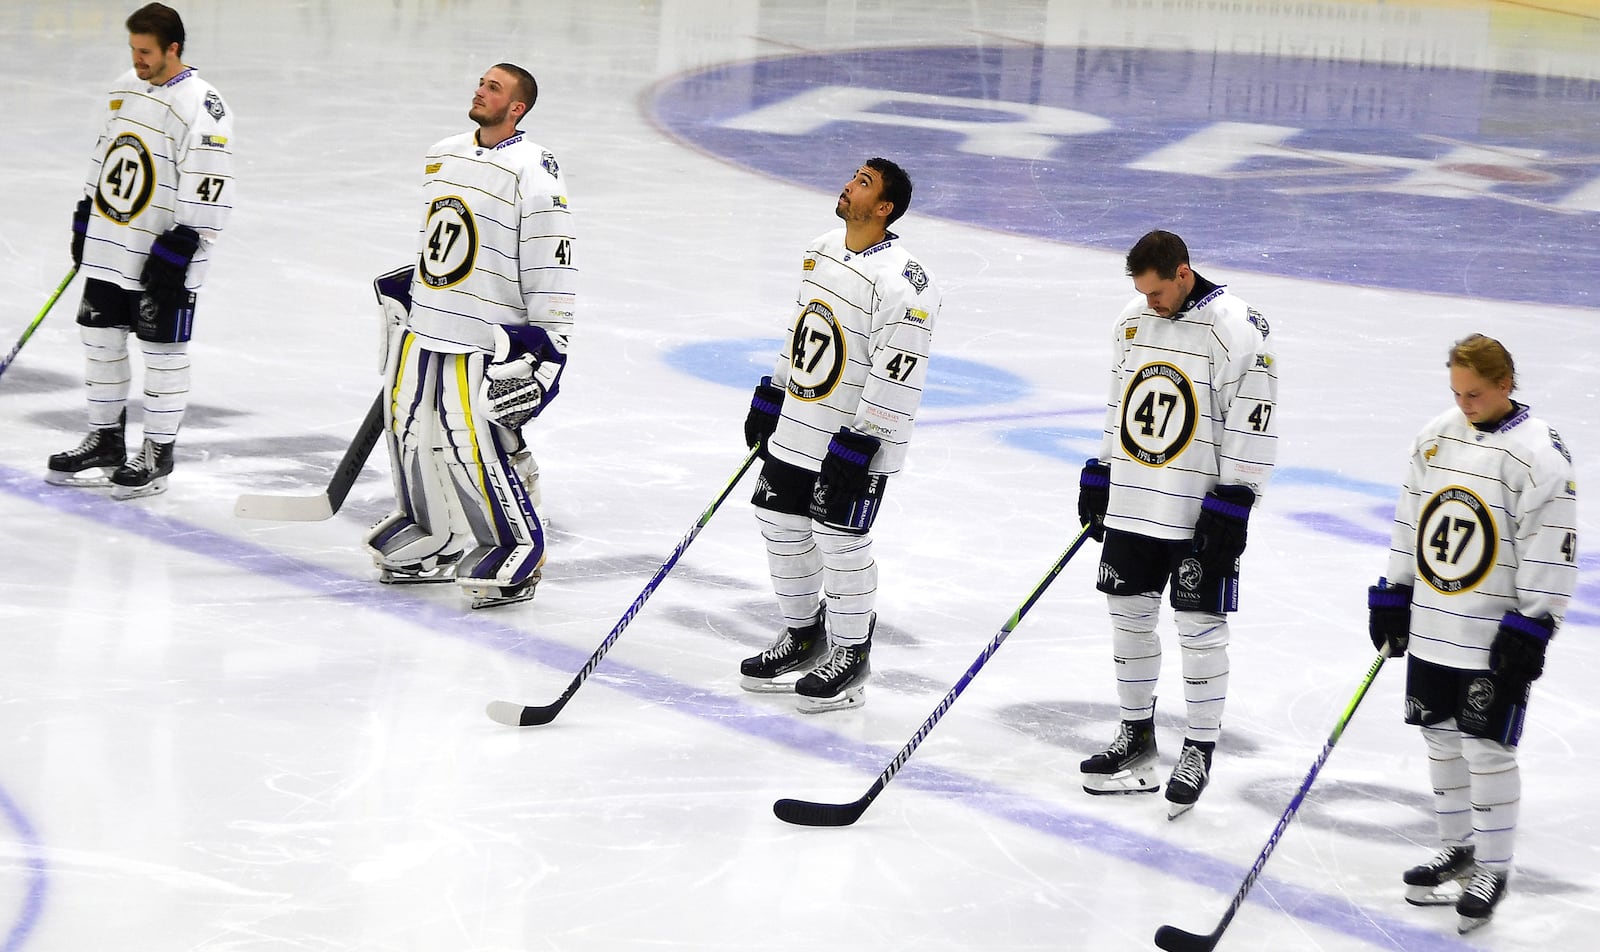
(834, 420)
(1482, 564)
(1189, 444)
(159, 190)
(477, 342)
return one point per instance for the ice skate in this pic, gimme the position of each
(1189, 778)
(795, 652)
(1128, 765)
(145, 474)
(1440, 881)
(486, 594)
(839, 682)
(93, 461)
(439, 568)
(1476, 905)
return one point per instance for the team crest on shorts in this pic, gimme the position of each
(1480, 694)
(213, 105)
(1189, 575)
(914, 274)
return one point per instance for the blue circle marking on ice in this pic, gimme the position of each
(1453, 181)
(952, 381)
(31, 905)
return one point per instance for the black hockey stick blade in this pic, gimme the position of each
(323, 505)
(806, 813)
(1173, 939)
(512, 714)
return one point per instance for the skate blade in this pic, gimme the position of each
(845, 700)
(154, 487)
(1132, 780)
(493, 596)
(79, 480)
(405, 578)
(1444, 894)
(768, 685)
(1466, 924)
(1175, 810)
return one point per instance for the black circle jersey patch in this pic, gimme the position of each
(1457, 541)
(816, 353)
(451, 248)
(127, 179)
(1159, 413)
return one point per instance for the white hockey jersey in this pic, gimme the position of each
(857, 351)
(1191, 406)
(496, 245)
(164, 158)
(1486, 524)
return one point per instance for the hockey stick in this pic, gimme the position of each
(324, 504)
(512, 714)
(807, 813)
(1173, 939)
(38, 320)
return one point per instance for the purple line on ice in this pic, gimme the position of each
(1332, 912)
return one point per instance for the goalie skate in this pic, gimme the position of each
(1128, 765)
(438, 569)
(1440, 881)
(489, 595)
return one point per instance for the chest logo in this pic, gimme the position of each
(817, 355)
(1457, 541)
(1159, 414)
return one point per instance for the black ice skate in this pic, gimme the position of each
(93, 461)
(438, 568)
(486, 594)
(1440, 880)
(1477, 902)
(1189, 778)
(145, 474)
(839, 682)
(795, 652)
(1128, 765)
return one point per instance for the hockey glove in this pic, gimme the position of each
(1219, 531)
(80, 228)
(513, 390)
(1517, 653)
(1389, 616)
(168, 264)
(844, 476)
(765, 404)
(394, 306)
(1094, 495)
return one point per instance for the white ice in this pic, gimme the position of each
(224, 735)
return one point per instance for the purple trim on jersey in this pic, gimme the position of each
(1222, 507)
(1532, 627)
(1392, 596)
(1095, 474)
(187, 72)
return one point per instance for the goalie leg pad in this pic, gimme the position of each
(419, 535)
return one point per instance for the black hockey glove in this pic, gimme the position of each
(80, 228)
(1219, 531)
(844, 476)
(1094, 495)
(1389, 616)
(167, 264)
(1517, 653)
(762, 419)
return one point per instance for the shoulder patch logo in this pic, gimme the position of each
(1555, 440)
(916, 276)
(432, 168)
(213, 105)
(116, 104)
(1429, 453)
(1130, 333)
(1254, 316)
(548, 160)
(810, 265)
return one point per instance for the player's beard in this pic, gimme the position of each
(486, 119)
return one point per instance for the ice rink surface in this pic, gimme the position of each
(225, 735)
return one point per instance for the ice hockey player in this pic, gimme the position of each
(1190, 441)
(477, 339)
(1483, 561)
(834, 419)
(159, 190)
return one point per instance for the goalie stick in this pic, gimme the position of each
(1173, 939)
(807, 813)
(324, 504)
(512, 714)
(38, 320)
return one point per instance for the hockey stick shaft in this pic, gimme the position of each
(322, 505)
(1177, 940)
(38, 320)
(520, 715)
(807, 813)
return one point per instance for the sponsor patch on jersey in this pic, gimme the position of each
(558, 201)
(1263, 361)
(1432, 451)
(810, 265)
(213, 105)
(1130, 333)
(916, 276)
(548, 160)
(1572, 488)
(214, 142)
(1254, 316)
(916, 316)
(432, 168)
(116, 104)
